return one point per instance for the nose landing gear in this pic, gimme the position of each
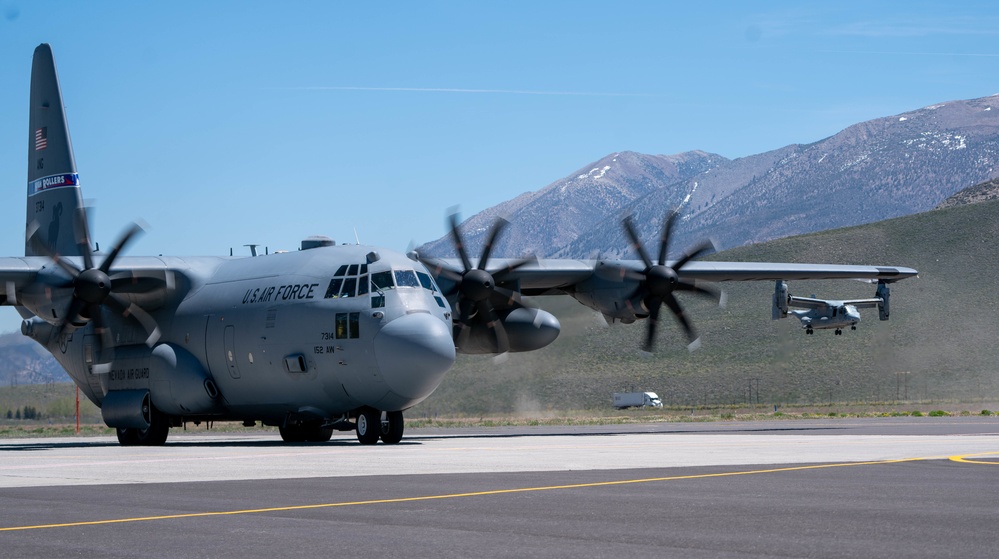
(373, 425)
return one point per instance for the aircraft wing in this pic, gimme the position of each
(757, 271)
(549, 276)
(864, 303)
(813, 303)
(15, 275)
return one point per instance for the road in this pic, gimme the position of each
(899, 487)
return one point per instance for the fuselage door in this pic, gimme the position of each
(230, 351)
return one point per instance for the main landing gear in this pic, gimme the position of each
(373, 425)
(306, 432)
(154, 435)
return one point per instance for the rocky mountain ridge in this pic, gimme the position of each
(879, 169)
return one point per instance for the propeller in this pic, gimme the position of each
(94, 289)
(477, 287)
(659, 281)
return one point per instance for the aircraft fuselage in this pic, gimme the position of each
(306, 335)
(833, 317)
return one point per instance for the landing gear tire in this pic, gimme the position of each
(312, 432)
(392, 427)
(320, 434)
(368, 426)
(154, 435)
(809, 331)
(291, 433)
(839, 332)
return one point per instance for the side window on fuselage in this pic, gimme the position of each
(348, 325)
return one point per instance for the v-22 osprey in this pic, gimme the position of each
(828, 314)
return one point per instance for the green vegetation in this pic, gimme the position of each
(938, 352)
(55, 403)
(940, 344)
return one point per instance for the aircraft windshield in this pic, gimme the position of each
(406, 278)
(380, 281)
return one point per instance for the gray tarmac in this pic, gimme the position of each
(910, 487)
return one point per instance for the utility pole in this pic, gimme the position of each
(753, 383)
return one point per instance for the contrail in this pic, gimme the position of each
(973, 54)
(462, 90)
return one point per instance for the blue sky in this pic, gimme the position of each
(226, 123)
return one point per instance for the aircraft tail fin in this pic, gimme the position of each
(54, 198)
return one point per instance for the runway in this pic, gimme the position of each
(913, 487)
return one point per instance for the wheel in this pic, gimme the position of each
(127, 437)
(154, 435)
(368, 426)
(392, 427)
(312, 432)
(318, 434)
(292, 433)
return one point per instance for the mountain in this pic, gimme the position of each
(875, 170)
(23, 361)
(984, 192)
(566, 209)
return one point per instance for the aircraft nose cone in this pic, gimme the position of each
(413, 353)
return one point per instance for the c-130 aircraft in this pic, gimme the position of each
(327, 338)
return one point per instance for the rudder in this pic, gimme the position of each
(53, 183)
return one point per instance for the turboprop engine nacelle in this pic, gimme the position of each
(781, 298)
(613, 292)
(884, 293)
(526, 328)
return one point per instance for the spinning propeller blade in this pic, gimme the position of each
(94, 290)
(476, 287)
(659, 281)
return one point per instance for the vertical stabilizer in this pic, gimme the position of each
(53, 184)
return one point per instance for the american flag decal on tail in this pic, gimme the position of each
(41, 141)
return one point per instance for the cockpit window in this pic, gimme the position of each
(349, 285)
(381, 281)
(346, 282)
(426, 282)
(334, 288)
(406, 278)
